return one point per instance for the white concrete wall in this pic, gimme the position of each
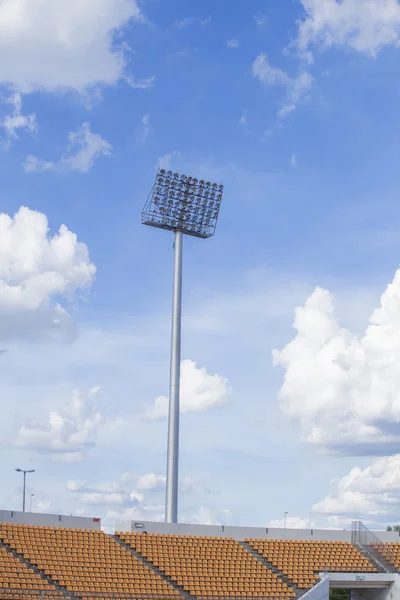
(240, 533)
(28, 518)
(319, 591)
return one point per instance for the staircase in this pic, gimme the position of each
(374, 557)
(156, 570)
(68, 595)
(368, 544)
(299, 592)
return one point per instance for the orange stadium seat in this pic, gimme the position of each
(301, 561)
(209, 566)
(84, 561)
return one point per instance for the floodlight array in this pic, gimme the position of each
(181, 203)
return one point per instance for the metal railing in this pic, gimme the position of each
(25, 594)
(373, 546)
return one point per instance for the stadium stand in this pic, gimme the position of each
(301, 561)
(84, 561)
(88, 564)
(391, 552)
(209, 566)
(14, 574)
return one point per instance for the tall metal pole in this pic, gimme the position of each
(171, 507)
(24, 492)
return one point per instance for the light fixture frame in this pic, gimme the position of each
(181, 203)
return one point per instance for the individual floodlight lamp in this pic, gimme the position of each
(184, 205)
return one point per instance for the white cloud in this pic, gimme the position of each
(36, 271)
(234, 43)
(165, 162)
(199, 392)
(344, 390)
(144, 131)
(84, 148)
(243, 119)
(208, 516)
(105, 494)
(140, 84)
(55, 45)
(293, 161)
(71, 431)
(372, 491)
(364, 25)
(260, 19)
(291, 523)
(188, 21)
(33, 164)
(296, 87)
(11, 123)
(151, 482)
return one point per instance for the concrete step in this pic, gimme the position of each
(67, 594)
(156, 570)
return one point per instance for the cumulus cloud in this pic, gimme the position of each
(200, 391)
(295, 87)
(37, 270)
(84, 148)
(16, 120)
(234, 43)
(364, 25)
(291, 523)
(69, 433)
(344, 390)
(374, 490)
(108, 493)
(56, 45)
(151, 482)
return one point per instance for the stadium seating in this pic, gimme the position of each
(391, 552)
(84, 561)
(301, 561)
(209, 566)
(15, 575)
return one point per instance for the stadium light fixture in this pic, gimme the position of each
(24, 489)
(186, 206)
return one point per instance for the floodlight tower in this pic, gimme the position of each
(184, 205)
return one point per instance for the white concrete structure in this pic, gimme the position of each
(45, 520)
(240, 533)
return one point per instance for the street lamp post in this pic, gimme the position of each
(24, 489)
(184, 205)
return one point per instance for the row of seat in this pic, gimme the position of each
(302, 561)
(86, 561)
(230, 571)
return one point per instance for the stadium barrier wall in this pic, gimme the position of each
(240, 533)
(28, 518)
(320, 591)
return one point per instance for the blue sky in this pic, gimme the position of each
(295, 108)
